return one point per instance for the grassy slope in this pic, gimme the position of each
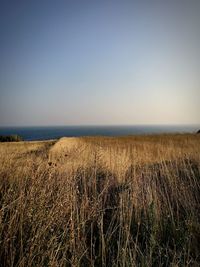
(100, 201)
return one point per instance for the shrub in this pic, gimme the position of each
(10, 138)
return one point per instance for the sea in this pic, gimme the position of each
(55, 132)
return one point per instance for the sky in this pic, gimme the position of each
(105, 62)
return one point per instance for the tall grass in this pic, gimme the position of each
(129, 201)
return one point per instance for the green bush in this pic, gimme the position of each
(10, 138)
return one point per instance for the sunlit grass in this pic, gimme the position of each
(100, 201)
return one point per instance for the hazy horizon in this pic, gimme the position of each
(101, 125)
(97, 63)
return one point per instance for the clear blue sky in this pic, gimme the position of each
(99, 62)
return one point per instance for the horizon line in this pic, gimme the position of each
(100, 125)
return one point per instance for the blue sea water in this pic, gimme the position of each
(54, 132)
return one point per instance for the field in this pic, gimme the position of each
(101, 201)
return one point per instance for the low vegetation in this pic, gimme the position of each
(100, 201)
(10, 138)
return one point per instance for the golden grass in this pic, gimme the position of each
(101, 201)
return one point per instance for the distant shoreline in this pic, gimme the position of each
(37, 133)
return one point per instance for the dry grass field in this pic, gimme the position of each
(101, 201)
